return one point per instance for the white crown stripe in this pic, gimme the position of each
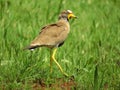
(69, 11)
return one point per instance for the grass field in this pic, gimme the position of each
(91, 53)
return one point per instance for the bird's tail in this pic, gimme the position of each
(30, 47)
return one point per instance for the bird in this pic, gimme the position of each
(53, 36)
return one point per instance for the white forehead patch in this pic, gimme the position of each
(69, 11)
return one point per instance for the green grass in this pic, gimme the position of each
(91, 53)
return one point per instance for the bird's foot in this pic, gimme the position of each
(66, 75)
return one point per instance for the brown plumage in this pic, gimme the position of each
(51, 35)
(54, 35)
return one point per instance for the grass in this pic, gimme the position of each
(91, 53)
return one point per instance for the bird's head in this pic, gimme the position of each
(67, 14)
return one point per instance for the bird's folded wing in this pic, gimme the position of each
(53, 34)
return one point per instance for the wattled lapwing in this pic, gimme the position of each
(53, 36)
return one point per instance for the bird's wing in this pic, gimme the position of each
(51, 35)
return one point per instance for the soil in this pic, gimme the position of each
(60, 84)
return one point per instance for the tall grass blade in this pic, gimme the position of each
(96, 78)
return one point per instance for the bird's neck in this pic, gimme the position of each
(64, 22)
(64, 18)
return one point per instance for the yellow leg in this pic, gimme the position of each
(51, 61)
(52, 58)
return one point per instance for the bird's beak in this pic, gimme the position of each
(71, 15)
